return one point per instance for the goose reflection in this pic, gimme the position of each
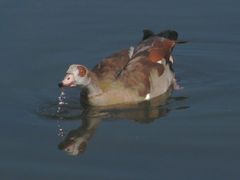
(75, 142)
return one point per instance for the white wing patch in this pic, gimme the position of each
(159, 62)
(147, 96)
(130, 52)
(171, 59)
(162, 61)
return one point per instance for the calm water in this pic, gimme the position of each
(195, 136)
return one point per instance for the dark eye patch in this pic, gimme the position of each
(82, 71)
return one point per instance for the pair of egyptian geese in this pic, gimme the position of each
(129, 76)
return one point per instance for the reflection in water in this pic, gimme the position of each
(75, 142)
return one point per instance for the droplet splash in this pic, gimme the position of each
(61, 103)
(60, 131)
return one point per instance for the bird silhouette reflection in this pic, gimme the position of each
(76, 141)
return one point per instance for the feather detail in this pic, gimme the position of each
(130, 52)
(171, 59)
(147, 97)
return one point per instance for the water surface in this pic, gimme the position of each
(194, 136)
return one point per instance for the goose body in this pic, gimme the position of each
(129, 76)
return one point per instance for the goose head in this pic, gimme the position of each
(76, 75)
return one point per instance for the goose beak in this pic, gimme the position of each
(68, 81)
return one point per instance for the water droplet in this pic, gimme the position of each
(61, 103)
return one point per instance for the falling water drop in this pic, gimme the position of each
(61, 103)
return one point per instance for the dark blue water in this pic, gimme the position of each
(195, 136)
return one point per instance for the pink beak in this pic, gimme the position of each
(68, 81)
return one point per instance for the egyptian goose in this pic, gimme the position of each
(129, 76)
